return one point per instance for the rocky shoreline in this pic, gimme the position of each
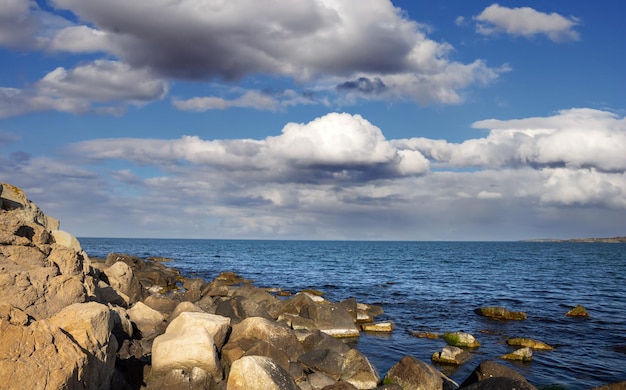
(68, 321)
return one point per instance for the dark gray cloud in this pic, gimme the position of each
(364, 85)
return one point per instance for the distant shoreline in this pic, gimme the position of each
(612, 240)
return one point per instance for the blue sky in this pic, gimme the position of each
(317, 119)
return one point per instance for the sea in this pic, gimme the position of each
(436, 287)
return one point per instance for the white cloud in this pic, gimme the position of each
(575, 138)
(526, 22)
(76, 90)
(339, 177)
(310, 41)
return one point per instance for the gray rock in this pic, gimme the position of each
(259, 372)
(413, 374)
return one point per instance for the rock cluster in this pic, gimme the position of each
(71, 322)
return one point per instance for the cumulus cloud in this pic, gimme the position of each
(17, 24)
(574, 138)
(258, 100)
(338, 176)
(91, 87)
(359, 46)
(526, 22)
(335, 147)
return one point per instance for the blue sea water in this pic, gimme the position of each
(435, 287)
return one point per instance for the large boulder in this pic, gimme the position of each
(413, 374)
(90, 325)
(122, 279)
(40, 356)
(147, 320)
(257, 328)
(259, 372)
(358, 371)
(332, 319)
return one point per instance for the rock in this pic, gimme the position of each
(161, 303)
(461, 339)
(326, 361)
(182, 307)
(229, 278)
(424, 335)
(257, 328)
(358, 371)
(67, 240)
(145, 318)
(13, 315)
(90, 325)
(121, 278)
(578, 311)
(186, 345)
(217, 326)
(319, 380)
(500, 313)
(14, 199)
(526, 342)
(122, 325)
(331, 319)
(523, 354)
(321, 340)
(239, 308)
(41, 355)
(378, 327)
(259, 372)
(413, 374)
(488, 369)
(340, 386)
(612, 386)
(451, 355)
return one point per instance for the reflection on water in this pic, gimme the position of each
(435, 287)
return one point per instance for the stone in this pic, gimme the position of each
(378, 327)
(257, 328)
(578, 311)
(461, 339)
(358, 371)
(259, 372)
(331, 319)
(451, 355)
(14, 199)
(90, 325)
(489, 369)
(526, 342)
(67, 240)
(121, 278)
(612, 386)
(186, 348)
(319, 380)
(500, 313)
(182, 307)
(145, 318)
(413, 374)
(13, 315)
(239, 308)
(326, 361)
(41, 355)
(340, 386)
(217, 326)
(161, 303)
(523, 354)
(321, 340)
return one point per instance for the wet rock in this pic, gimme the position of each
(451, 355)
(411, 373)
(523, 354)
(331, 318)
(424, 335)
(378, 327)
(500, 313)
(488, 369)
(578, 311)
(461, 339)
(259, 372)
(500, 383)
(526, 342)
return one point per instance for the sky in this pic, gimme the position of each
(317, 119)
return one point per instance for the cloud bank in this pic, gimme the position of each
(338, 177)
(346, 51)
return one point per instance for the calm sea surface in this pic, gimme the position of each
(435, 287)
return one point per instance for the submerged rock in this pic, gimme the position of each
(578, 311)
(523, 354)
(500, 313)
(526, 342)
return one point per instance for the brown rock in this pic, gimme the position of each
(578, 311)
(259, 372)
(490, 369)
(358, 371)
(413, 374)
(500, 313)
